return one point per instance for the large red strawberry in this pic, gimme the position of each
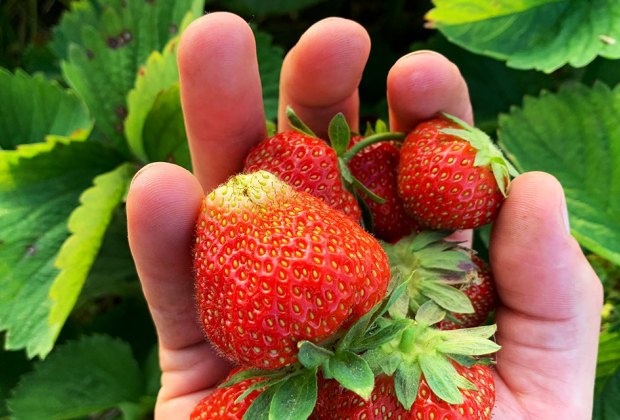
(376, 167)
(451, 175)
(337, 403)
(275, 266)
(222, 404)
(307, 163)
(479, 287)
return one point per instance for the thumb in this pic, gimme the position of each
(549, 316)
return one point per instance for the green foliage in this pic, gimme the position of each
(532, 34)
(89, 93)
(559, 133)
(32, 107)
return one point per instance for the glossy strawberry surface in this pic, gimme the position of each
(439, 183)
(307, 163)
(480, 289)
(275, 266)
(376, 167)
(221, 404)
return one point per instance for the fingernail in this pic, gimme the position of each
(420, 52)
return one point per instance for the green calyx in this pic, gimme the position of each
(339, 135)
(432, 266)
(291, 392)
(422, 349)
(487, 153)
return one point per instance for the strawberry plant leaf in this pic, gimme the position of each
(448, 297)
(259, 409)
(296, 397)
(339, 133)
(32, 107)
(92, 374)
(560, 134)
(270, 59)
(158, 73)
(103, 57)
(406, 383)
(353, 373)
(608, 361)
(311, 356)
(164, 130)
(532, 34)
(40, 186)
(297, 123)
(87, 226)
(442, 377)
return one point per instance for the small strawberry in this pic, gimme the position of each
(275, 266)
(307, 163)
(479, 287)
(222, 404)
(376, 167)
(451, 175)
(337, 403)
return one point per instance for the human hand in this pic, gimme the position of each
(549, 314)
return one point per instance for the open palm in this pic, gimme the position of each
(549, 315)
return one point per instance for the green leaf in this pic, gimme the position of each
(606, 403)
(296, 397)
(13, 365)
(539, 34)
(270, 59)
(164, 130)
(311, 356)
(575, 136)
(32, 107)
(339, 133)
(448, 297)
(353, 373)
(80, 378)
(259, 409)
(297, 124)
(608, 359)
(406, 383)
(378, 336)
(105, 53)
(87, 225)
(158, 74)
(442, 378)
(40, 186)
(429, 313)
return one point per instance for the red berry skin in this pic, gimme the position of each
(337, 403)
(439, 184)
(276, 266)
(307, 163)
(480, 289)
(376, 166)
(221, 405)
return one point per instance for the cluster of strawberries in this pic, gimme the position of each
(325, 272)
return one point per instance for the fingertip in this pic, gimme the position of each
(422, 84)
(321, 74)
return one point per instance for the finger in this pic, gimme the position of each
(221, 95)
(321, 74)
(420, 85)
(551, 301)
(162, 206)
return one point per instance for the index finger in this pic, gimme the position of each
(221, 95)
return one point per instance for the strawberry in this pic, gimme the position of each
(480, 289)
(451, 175)
(375, 167)
(275, 266)
(222, 404)
(335, 402)
(307, 163)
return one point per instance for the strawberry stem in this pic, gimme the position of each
(367, 141)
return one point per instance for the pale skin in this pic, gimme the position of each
(549, 315)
